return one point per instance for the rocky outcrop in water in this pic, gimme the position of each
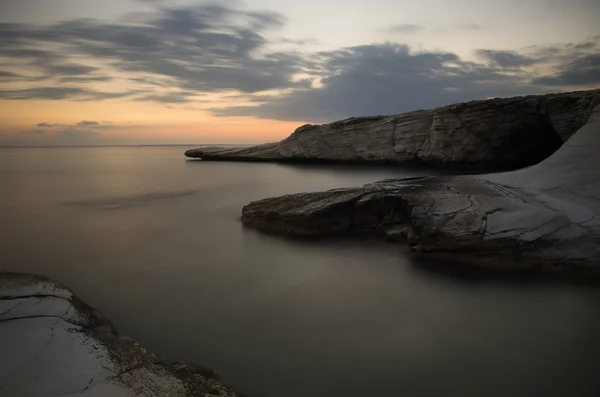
(543, 218)
(265, 152)
(502, 133)
(52, 344)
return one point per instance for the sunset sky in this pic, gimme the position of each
(89, 72)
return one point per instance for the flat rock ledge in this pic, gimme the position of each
(52, 344)
(545, 218)
(500, 134)
(265, 152)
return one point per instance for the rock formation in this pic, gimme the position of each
(52, 344)
(501, 133)
(543, 218)
(265, 152)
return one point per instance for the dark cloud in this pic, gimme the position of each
(96, 126)
(42, 93)
(49, 64)
(66, 135)
(9, 75)
(175, 97)
(69, 69)
(586, 46)
(6, 76)
(383, 79)
(506, 59)
(148, 81)
(207, 48)
(405, 28)
(582, 71)
(56, 93)
(85, 79)
(46, 125)
(390, 78)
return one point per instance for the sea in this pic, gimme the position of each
(154, 241)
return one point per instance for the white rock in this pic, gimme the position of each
(52, 345)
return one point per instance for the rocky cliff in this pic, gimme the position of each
(504, 132)
(544, 218)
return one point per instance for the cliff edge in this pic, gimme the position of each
(503, 133)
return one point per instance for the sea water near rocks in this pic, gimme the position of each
(154, 242)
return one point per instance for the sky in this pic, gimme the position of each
(112, 72)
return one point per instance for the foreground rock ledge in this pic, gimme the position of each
(544, 218)
(52, 344)
(501, 133)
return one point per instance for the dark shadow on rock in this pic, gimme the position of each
(464, 273)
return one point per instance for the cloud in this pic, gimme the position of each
(506, 59)
(62, 134)
(300, 42)
(66, 69)
(147, 81)
(405, 28)
(84, 79)
(9, 75)
(204, 48)
(57, 93)
(383, 79)
(586, 46)
(174, 54)
(95, 126)
(582, 71)
(47, 125)
(390, 78)
(88, 123)
(469, 26)
(175, 97)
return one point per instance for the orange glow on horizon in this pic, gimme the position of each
(138, 122)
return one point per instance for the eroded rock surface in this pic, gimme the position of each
(265, 152)
(52, 344)
(505, 133)
(544, 218)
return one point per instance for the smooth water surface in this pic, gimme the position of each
(154, 241)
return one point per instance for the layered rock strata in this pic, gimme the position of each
(500, 133)
(543, 218)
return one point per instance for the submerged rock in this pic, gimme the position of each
(502, 133)
(543, 218)
(52, 344)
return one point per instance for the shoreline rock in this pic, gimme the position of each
(265, 152)
(500, 133)
(545, 218)
(53, 344)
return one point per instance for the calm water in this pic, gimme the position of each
(153, 241)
